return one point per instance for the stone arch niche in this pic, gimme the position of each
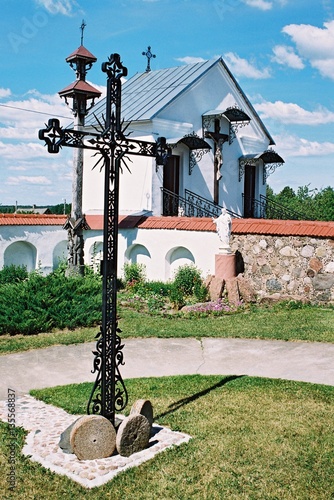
(137, 254)
(176, 257)
(59, 254)
(21, 253)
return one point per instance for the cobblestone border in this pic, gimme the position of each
(45, 423)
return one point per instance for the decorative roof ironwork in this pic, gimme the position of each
(271, 160)
(235, 116)
(198, 147)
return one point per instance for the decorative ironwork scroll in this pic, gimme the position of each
(235, 116)
(271, 160)
(111, 143)
(198, 147)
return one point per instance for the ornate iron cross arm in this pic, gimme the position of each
(56, 137)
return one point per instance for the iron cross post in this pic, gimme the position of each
(111, 143)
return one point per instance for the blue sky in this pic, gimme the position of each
(280, 51)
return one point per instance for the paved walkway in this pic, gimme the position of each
(59, 365)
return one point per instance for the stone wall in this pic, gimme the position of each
(287, 266)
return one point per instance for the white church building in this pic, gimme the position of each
(221, 150)
(221, 157)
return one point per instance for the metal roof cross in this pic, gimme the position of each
(82, 28)
(149, 56)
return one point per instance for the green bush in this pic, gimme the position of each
(187, 283)
(13, 274)
(158, 287)
(201, 292)
(176, 296)
(41, 303)
(134, 273)
(187, 278)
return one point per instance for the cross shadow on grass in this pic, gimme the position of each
(184, 401)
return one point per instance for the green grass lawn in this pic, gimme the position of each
(281, 322)
(252, 438)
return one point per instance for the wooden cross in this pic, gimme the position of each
(218, 139)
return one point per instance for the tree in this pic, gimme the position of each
(324, 204)
(306, 203)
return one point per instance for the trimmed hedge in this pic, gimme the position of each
(41, 303)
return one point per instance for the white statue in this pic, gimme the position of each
(180, 212)
(224, 228)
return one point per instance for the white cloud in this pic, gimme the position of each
(22, 151)
(315, 44)
(64, 7)
(259, 4)
(190, 59)
(265, 4)
(4, 93)
(39, 180)
(17, 169)
(286, 56)
(241, 67)
(290, 113)
(21, 119)
(294, 146)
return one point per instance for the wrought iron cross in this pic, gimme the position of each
(149, 56)
(110, 141)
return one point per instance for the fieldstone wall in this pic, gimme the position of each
(286, 267)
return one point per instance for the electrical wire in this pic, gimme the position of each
(33, 111)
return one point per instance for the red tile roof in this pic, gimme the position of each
(32, 220)
(318, 229)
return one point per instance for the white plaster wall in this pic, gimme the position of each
(44, 239)
(161, 250)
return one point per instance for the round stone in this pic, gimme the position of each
(133, 435)
(143, 407)
(92, 437)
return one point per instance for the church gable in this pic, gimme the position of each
(216, 138)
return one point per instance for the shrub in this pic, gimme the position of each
(13, 274)
(187, 282)
(187, 278)
(41, 303)
(176, 296)
(134, 273)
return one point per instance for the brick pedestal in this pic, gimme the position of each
(225, 266)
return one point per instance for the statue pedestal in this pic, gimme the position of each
(225, 266)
